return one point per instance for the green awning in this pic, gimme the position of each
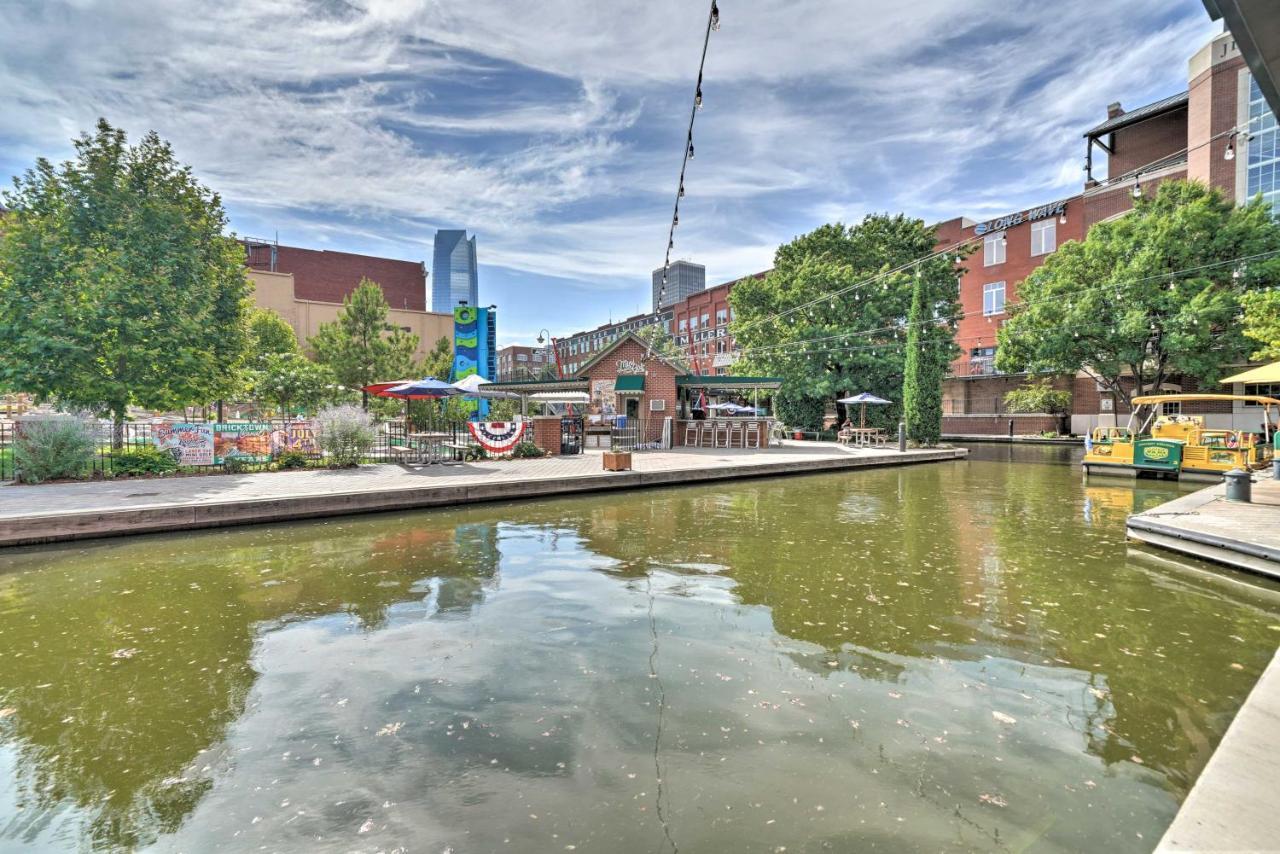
(629, 383)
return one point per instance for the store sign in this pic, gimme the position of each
(626, 366)
(723, 360)
(1055, 209)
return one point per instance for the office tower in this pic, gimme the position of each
(454, 279)
(683, 279)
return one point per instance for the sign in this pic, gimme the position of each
(602, 399)
(1157, 453)
(1053, 209)
(723, 360)
(213, 444)
(190, 444)
(626, 366)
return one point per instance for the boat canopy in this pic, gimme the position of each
(1264, 374)
(1150, 399)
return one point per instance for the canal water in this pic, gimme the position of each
(951, 657)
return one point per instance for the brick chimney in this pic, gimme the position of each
(1114, 109)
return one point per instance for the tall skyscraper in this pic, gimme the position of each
(454, 278)
(683, 279)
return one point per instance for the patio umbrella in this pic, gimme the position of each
(474, 386)
(862, 400)
(377, 389)
(427, 388)
(729, 407)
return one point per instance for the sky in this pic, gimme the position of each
(554, 130)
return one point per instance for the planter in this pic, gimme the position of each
(617, 461)
(798, 435)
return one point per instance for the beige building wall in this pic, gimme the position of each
(275, 291)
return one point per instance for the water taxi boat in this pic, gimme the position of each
(1178, 446)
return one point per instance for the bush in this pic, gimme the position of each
(800, 412)
(236, 465)
(1038, 397)
(142, 461)
(293, 460)
(527, 450)
(345, 434)
(52, 447)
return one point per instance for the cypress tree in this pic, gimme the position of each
(922, 377)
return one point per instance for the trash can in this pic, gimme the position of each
(1239, 485)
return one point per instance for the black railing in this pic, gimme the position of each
(634, 435)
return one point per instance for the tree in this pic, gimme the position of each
(1153, 293)
(656, 336)
(923, 372)
(1038, 396)
(120, 288)
(1262, 323)
(270, 334)
(361, 346)
(830, 318)
(292, 383)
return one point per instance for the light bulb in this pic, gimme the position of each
(681, 193)
(697, 98)
(715, 15)
(1137, 191)
(691, 151)
(1230, 153)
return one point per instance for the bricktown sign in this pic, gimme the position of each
(1052, 209)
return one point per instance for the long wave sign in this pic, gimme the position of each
(471, 346)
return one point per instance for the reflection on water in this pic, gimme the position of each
(943, 657)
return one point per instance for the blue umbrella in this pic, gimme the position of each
(425, 388)
(862, 399)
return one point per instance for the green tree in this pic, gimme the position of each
(1153, 293)
(361, 346)
(1038, 396)
(269, 334)
(1262, 322)
(293, 384)
(830, 318)
(924, 371)
(120, 288)
(663, 344)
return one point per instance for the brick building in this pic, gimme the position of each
(1219, 132)
(516, 362)
(325, 276)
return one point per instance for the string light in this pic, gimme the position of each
(713, 23)
(1230, 153)
(1137, 188)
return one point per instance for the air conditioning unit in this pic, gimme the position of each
(657, 405)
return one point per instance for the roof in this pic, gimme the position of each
(586, 366)
(702, 381)
(1265, 374)
(1150, 399)
(533, 386)
(1150, 111)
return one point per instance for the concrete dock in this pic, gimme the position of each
(1232, 806)
(72, 511)
(1205, 525)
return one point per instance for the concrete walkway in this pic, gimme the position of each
(1233, 805)
(69, 511)
(1204, 524)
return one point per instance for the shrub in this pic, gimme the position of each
(51, 447)
(799, 411)
(293, 460)
(1038, 397)
(142, 461)
(345, 434)
(236, 465)
(526, 450)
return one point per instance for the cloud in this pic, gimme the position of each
(554, 130)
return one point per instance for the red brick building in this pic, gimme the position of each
(326, 276)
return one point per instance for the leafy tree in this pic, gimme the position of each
(829, 318)
(656, 336)
(1153, 293)
(1038, 396)
(293, 384)
(120, 288)
(270, 334)
(1262, 322)
(361, 346)
(924, 372)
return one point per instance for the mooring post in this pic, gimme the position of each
(902, 437)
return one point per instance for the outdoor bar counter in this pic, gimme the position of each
(751, 432)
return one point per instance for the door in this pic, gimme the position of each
(633, 408)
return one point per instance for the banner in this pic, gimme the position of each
(213, 444)
(190, 444)
(497, 437)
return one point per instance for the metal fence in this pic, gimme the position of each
(634, 434)
(262, 454)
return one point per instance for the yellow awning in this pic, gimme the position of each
(1265, 374)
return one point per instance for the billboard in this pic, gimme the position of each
(213, 444)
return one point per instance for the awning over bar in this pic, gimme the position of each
(535, 386)
(629, 384)
(729, 384)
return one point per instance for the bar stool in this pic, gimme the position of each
(721, 431)
(735, 432)
(751, 438)
(690, 433)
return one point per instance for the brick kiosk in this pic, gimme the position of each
(628, 378)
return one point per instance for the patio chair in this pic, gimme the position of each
(751, 434)
(735, 433)
(721, 432)
(845, 436)
(692, 433)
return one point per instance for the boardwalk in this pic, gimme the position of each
(79, 510)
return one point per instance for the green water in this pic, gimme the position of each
(953, 657)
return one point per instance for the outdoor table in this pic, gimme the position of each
(863, 436)
(423, 443)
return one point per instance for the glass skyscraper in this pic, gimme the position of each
(1263, 170)
(454, 278)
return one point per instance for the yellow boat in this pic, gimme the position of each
(1178, 446)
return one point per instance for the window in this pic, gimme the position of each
(1044, 236)
(521, 357)
(706, 320)
(993, 249)
(1173, 407)
(722, 316)
(1262, 173)
(684, 324)
(1262, 389)
(693, 322)
(993, 298)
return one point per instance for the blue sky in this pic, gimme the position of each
(553, 130)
